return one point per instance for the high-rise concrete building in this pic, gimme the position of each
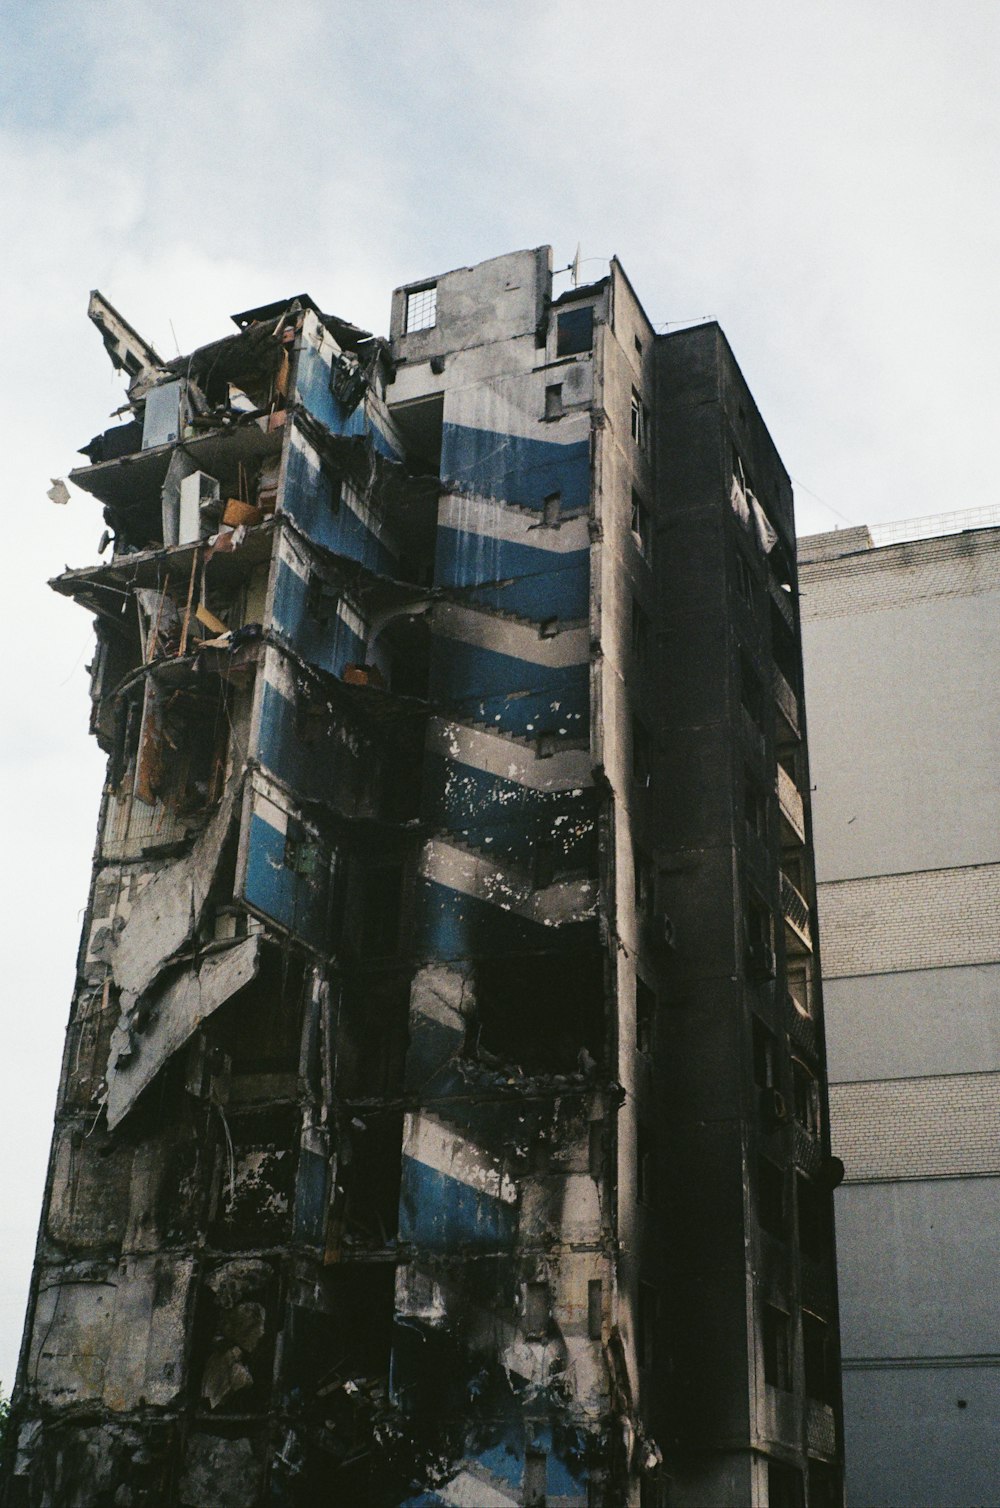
(443, 1117)
(902, 643)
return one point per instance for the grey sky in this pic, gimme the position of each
(818, 176)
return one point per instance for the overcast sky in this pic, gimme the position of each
(818, 175)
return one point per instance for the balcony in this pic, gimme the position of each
(793, 821)
(798, 932)
(788, 705)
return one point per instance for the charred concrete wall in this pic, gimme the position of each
(447, 1044)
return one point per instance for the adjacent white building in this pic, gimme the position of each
(902, 645)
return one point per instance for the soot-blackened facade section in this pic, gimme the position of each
(442, 1118)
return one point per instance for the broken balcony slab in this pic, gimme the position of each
(171, 1019)
(166, 912)
(137, 480)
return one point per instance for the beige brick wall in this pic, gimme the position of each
(957, 565)
(931, 919)
(943, 1126)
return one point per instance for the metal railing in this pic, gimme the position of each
(790, 802)
(786, 699)
(895, 532)
(795, 910)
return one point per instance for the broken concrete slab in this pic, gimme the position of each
(138, 1053)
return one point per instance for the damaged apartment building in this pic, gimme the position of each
(443, 1114)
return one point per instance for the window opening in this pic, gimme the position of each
(645, 1338)
(814, 1217)
(595, 1309)
(534, 1478)
(806, 1097)
(641, 524)
(771, 1197)
(763, 1055)
(642, 753)
(645, 1017)
(552, 509)
(776, 1335)
(640, 633)
(639, 420)
(644, 1163)
(575, 331)
(816, 1357)
(554, 401)
(421, 308)
(537, 1306)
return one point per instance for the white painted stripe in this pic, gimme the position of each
(473, 875)
(297, 561)
(436, 1145)
(502, 636)
(269, 813)
(437, 993)
(468, 1491)
(498, 520)
(565, 770)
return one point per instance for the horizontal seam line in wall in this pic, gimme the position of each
(897, 874)
(917, 1078)
(919, 1178)
(925, 968)
(906, 1363)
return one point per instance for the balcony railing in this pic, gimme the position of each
(795, 911)
(788, 702)
(790, 802)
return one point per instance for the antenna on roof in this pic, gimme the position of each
(574, 267)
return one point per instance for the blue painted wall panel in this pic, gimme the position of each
(510, 695)
(506, 819)
(295, 901)
(313, 391)
(536, 583)
(438, 1212)
(330, 645)
(516, 469)
(312, 498)
(452, 926)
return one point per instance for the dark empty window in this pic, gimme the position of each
(552, 509)
(595, 1309)
(421, 308)
(824, 1485)
(806, 1097)
(541, 1011)
(534, 1478)
(639, 420)
(763, 1055)
(382, 910)
(770, 1197)
(645, 1016)
(784, 1486)
(816, 1357)
(644, 880)
(759, 931)
(645, 1328)
(553, 401)
(641, 531)
(644, 1164)
(537, 1304)
(640, 633)
(321, 599)
(776, 1335)
(642, 753)
(814, 1218)
(575, 331)
(754, 805)
(744, 581)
